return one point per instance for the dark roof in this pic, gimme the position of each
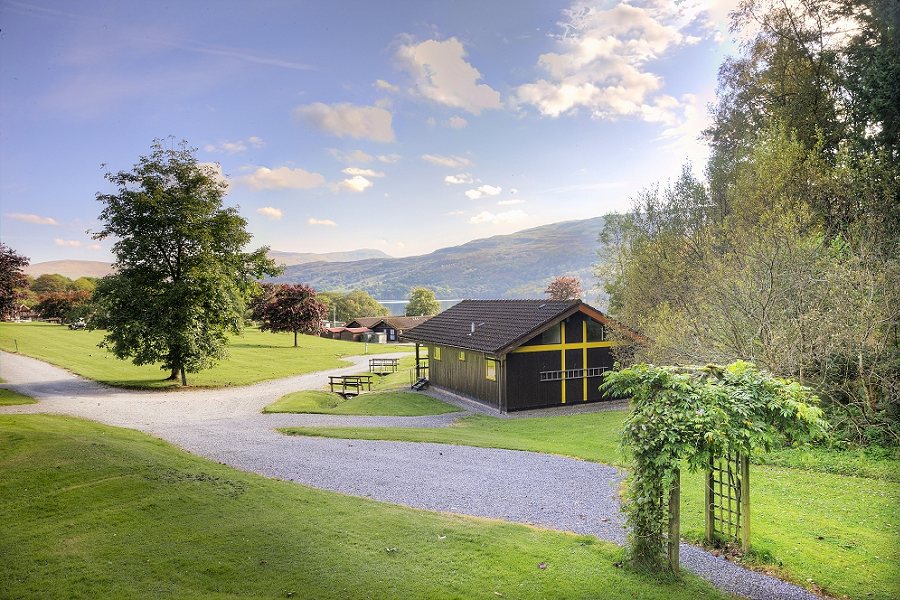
(395, 322)
(500, 325)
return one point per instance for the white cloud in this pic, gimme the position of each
(483, 190)
(603, 60)
(503, 218)
(451, 162)
(381, 84)
(440, 73)
(349, 120)
(34, 219)
(327, 222)
(388, 158)
(270, 212)
(457, 123)
(683, 137)
(356, 156)
(362, 172)
(511, 202)
(68, 243)
(459, 178)
(282, 178)
(357, 183)
(455, 213)
(236, 146)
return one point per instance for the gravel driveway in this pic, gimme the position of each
(226, 425)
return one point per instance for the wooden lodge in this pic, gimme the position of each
(517, 354)
(392, 327)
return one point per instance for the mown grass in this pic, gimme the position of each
(390, 403)
(92, 511)
(824, 530)
(11, 398)
(253, 356)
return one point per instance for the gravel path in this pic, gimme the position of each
(226, 425)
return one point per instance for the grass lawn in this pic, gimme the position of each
(254, 356)
(390, 403)
(92, 511)
(837, 532)
(10, 398)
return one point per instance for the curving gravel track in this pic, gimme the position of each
(226, 425)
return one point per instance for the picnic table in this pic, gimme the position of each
(350, 385)
(383, 366)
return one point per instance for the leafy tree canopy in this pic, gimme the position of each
(68, 306)
(51, 283)
(182, 278)
(422, 302)
(291, 308)
(356, 304)
(11, 279)
(564, 288)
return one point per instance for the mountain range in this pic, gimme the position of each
(517, 265)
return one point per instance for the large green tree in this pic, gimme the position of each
(422, 302)
(12, 279)
(182, 278)
(353, 305)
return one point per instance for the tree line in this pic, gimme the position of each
(785, 252)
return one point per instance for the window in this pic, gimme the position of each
(595, 332)
(551, 336)
(461, 356)
(436, 353)
(490, 370)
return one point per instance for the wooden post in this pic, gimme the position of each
(709, 503)
(417, 362)
(675, 522)
(745, 503)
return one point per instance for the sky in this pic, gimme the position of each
(401, 126)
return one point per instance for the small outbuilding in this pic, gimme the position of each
(392, 327)
(518, 354)
(354, 334)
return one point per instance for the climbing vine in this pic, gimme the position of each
(690, 415)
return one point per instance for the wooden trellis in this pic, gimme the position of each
(728, 500)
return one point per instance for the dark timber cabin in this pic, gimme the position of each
(392, 327)
(517, 354)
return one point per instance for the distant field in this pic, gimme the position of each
(254, 356)
(92, 511)
(820, 528)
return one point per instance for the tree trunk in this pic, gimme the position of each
(174, 375)
(295, 338)
(183, 377)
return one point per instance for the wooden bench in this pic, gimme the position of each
(383, 366)
(350, 385)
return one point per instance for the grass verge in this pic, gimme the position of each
(11, 398)
(253, 356)
(92, 511)
(390, 403)
(830, 531)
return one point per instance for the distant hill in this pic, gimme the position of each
(518, 265)
(299, 258)
(73, 269)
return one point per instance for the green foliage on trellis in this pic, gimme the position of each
(693, 414)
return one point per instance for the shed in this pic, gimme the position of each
(333, 333)
(392, 327)
(354, 334)
(518, 354)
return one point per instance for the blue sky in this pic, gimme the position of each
(402, 126)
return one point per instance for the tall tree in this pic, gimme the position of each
(356, 304)
(12, 279)
(182, 278)
(422, 302)
(292, 308)
(51, 282)
(564, 288)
